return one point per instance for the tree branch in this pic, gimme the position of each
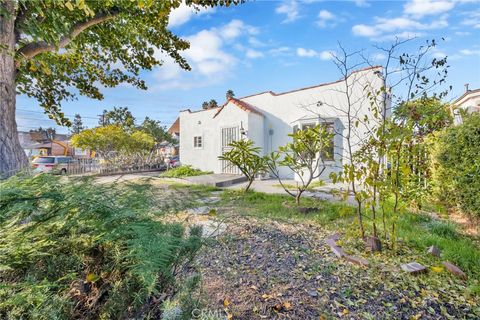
(32, 49)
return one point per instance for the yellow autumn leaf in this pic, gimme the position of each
(345, 312)
(91, 277)
(437, 269)
(226, 303)
(69, 5)
(287, 305)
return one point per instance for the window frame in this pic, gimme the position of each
(196, 139)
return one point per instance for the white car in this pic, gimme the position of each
(52, 164)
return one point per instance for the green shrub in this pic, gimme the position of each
(457, 165)
(74, 249)
(183, 171)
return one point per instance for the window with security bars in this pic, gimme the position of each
(197, 142)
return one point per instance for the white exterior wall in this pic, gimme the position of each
(469, 102)
(281, 112)
(202, 123)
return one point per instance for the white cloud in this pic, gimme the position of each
(361, 3)
(235, 28)
(310, 53)
(324, 17)
(402, 28)
(469, 52)
(253, 54)
(255, 42)
(420, 8)
(326, 55)
(184, 13)
(280, 51)
(210, 57)
(473, 19)
(290, 9)
(462, 33)
(301, 52)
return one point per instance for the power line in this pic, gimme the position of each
(86, 117)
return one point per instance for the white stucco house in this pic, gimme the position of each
(469, 102)
(268, 117)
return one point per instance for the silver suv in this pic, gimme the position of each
(51, 164)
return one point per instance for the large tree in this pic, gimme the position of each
(53, 50)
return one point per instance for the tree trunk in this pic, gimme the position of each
(12, 156)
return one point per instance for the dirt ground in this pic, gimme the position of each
(260, 269)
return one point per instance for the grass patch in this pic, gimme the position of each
(183, 171)
(282, 207)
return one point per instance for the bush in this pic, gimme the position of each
(246, 157)
(457, 166)
(76, 250)
(183, 171)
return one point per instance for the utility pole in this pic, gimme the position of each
(101, 119)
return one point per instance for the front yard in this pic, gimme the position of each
(272, 262)
(260, 258)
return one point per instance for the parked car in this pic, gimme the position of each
(172, 162)
(52, 164)
(175, 162)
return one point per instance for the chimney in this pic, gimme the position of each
(466, 87)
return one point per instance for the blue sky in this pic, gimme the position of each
(279, 46)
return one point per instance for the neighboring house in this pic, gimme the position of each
(268, 118)
(174, 130)
(469, 102)
(36, 144)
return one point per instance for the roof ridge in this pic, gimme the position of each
(310, 87)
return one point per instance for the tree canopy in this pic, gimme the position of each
(68, 48)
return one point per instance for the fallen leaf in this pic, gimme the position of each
(226, 303)
(437, 269)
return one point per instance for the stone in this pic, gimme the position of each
(454, 270)
(373, 244)
(357, 260)
(199, 211)
(336, 236)
(338, 251)
(210, 200)
(330, 242)
(413, 268)
(434, 251)
(313, 293)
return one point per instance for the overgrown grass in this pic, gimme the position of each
(282, 207)
(416, 230)
(183, 171)
(71, 249)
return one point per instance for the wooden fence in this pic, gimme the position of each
(96, 167)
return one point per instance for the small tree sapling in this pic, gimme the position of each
(304, 156)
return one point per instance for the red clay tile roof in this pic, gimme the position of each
(241, 104)
(175, 128)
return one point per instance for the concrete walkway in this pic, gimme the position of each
(216, 180)
(271, 186)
